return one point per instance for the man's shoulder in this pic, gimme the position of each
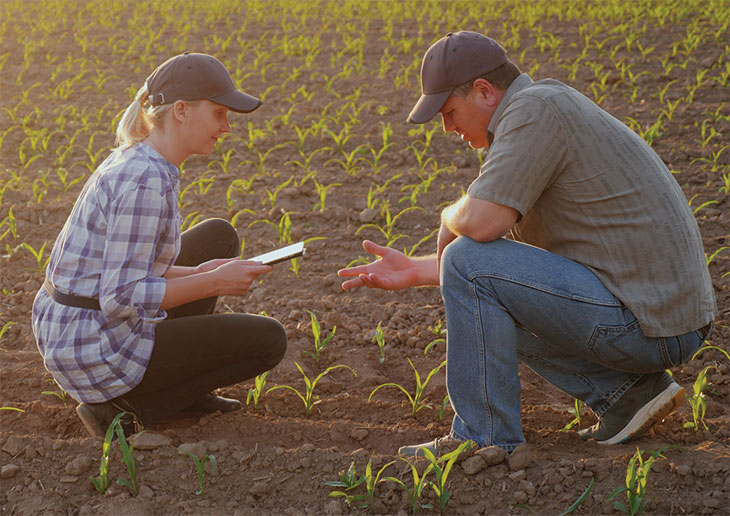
(544, 89)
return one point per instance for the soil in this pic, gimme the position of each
(275, 458)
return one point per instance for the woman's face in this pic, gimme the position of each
(204, 123)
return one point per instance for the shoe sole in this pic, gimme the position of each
(87, 418)
(647, 416)
(417, 450)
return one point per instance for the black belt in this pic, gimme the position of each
(71, 300)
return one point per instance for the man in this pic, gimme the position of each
(604, 283)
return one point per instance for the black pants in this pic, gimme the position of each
(197, 351)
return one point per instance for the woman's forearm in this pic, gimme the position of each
(179, 271)
(185, 289)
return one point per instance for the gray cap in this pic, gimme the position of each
(191, 76)
(453, 60)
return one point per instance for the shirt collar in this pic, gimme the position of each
(520, 83)
(153, 154)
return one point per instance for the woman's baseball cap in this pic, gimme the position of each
(192, 76)
(453, 60)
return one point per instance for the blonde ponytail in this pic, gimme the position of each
(139, 119)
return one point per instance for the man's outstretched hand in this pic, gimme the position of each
(392, 271)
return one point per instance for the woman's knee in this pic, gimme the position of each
(279, 341)
(225, 233)
(217, 235)
(273, 338)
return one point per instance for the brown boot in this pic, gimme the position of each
(97, 417)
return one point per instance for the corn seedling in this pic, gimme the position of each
(308, 397)
(38, 255)
(698, 208)
(371, 481)
(60, 394)
(322, 191)
(101, 483)
(414, 247)
(713, 162)
(697, 401)
(223, 163)
(234, 221)
(707, 133)
(577, 414)
(388, 229)
(348, 481)
(190, 220)
(445, 403)
(419, 483)
(711, 257)
(441, 467)
(579, 501)
(271, 195)
(416, 400)
(283, 228)
(128, 458)
(12, 408)
(294, 267)
(319, 343)
(306, 161)
(637, 475)
(5, 328)
(257, 390)
(438, 331)
(379, 339)
(703, 348)
(351, 159)
(200, 468)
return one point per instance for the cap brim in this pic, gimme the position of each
(237, 101)
(428, 106)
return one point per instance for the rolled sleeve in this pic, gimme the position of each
(129, 287)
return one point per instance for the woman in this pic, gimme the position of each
(125, 318)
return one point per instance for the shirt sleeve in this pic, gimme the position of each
(128, 288)
(524, 158)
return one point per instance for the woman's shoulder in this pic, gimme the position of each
(136, 164)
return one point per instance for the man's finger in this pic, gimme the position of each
(373, 248)
(352, 283)
(351, 271)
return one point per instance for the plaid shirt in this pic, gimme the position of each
(123, 234)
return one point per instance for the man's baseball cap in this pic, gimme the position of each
(453, 60)
(191, 76)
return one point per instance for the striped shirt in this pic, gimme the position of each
(123, 234)
(590, 189)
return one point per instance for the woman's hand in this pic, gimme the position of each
(392, 271)
(213, 264)
(228, 276)
(234, 277)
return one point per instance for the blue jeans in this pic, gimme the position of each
(506, 301)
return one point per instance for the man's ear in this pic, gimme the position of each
(488, 91)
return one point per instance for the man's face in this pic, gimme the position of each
(469, 117)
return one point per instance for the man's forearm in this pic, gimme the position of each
(455, 218)
(478, 219)
(427, 270)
